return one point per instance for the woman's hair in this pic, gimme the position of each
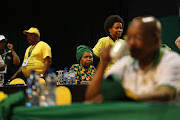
(110, 21)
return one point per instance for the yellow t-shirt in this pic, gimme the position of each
(36, 60)
(102, 43)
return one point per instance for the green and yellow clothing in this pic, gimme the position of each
(37, 53)
(83, 74)
(102, 43)
(11, 68)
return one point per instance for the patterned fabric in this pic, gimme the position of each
(83, 74)
(102, 43)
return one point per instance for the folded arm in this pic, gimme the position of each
(159, 94)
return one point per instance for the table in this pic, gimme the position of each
(13, 108)
(77, 91)
(104, 111)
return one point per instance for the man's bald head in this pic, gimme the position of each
(144, 37)
(150, 26)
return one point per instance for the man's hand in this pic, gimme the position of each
(10, 46)
(160, 94)
(105, 55)
(93, 92)
(16, 60)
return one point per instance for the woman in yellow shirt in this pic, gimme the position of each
(113, 26)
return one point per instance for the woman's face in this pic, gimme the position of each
(116, 30)
(86, 59)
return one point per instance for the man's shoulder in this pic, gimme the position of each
(170, 55)
(170, 58)
(43, 44)
(28, 47)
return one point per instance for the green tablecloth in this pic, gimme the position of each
(81, 111)
(105, 111)
(7, 105)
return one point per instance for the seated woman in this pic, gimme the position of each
(84, 70)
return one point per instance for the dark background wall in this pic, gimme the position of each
(66, 24)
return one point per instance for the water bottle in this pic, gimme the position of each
(66, 76)
(72, 77)
(31, 91)
(47, 95)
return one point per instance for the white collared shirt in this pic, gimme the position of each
(165, 72)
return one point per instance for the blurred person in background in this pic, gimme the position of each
(37, 56)
(84, 70)
(10, 58)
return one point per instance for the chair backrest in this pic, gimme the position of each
(17, 81)
(63, 96)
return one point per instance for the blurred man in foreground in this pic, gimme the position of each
(150, 73)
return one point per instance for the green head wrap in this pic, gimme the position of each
(81, 50)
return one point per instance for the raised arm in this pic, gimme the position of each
(93, 90)
(16, 60)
